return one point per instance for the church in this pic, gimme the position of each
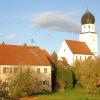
(86, 46)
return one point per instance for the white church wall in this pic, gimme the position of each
(82, 57)
(91, 40)
(65, 52)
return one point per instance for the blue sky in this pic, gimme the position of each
(47, 22)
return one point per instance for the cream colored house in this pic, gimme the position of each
(86, 46)
(16, 58)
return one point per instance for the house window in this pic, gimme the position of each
(6, 70)
(10, 70)
(85, 57)
(16, 70)
(64, 50)
(39, 83)
(5, 84)
(45, 70)
(80, 57)
(38, 70)
(45, 82)
(76, 57)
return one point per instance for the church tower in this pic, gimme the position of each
(88, 33)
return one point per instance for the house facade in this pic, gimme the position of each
(15, 58)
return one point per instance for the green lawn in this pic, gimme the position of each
(74, 94)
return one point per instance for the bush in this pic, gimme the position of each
(64, 78)
(23, 84)
(88, 73)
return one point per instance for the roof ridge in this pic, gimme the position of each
(19, 45)
(75, 41)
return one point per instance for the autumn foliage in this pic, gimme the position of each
(88, 74)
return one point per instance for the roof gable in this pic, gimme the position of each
(78, 47)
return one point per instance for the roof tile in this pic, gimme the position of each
(23, 55)
(78, 47)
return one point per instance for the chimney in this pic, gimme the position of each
(25, 44)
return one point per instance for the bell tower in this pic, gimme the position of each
(88, 33)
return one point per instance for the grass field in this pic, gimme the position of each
(74, 94)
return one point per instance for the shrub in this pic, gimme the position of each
(65, 78)
(87, 73)
(23, 84)
(62, 76)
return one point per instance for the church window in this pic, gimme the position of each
(89, 26)
(93, 39)
(64, 50)
(84, 27)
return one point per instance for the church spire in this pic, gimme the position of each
(88, 18)
(88, 34)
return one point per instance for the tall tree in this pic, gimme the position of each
(53, 61)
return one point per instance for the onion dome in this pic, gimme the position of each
(88, 18)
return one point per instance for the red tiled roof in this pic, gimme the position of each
(22, 55)
(78, 47)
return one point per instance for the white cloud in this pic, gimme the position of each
(55, 21)
(11, 36)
